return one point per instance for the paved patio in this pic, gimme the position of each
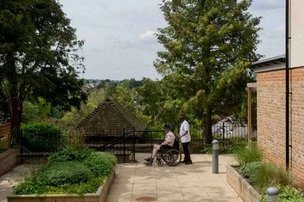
(11, 179)
(138, 183)
(187, 183)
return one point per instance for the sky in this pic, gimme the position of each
(120, 41)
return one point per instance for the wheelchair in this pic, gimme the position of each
(169, 156)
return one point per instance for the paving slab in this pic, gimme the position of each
(11, 179)
(185, 183)
(135, 182)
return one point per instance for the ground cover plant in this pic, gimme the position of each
(287, 194)
(263, 175)
(69, 171)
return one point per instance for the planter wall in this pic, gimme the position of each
(241, 186)
(99, 196)
(8, 159)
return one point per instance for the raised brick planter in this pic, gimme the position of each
(99, 196)
(8, 160)
(241, 186)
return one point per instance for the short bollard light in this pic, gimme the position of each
(273, 193)
(215, 154)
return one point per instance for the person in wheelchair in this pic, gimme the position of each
(166, 144)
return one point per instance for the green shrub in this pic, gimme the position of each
(70, 154)
(76, 138)
(70, 171)
(59, 174)
(270, 174)
(227, 146)
(88, 187)
(41, 137)
(248, 154)
(262, 175)
(101, 163)
(207, 149)
(250, 171)
(287, 194)
(232, 145)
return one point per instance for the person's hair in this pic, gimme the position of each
(167, 126)
(183, 115)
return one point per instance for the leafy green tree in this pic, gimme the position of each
(150, 97)
(36, 111)
(209, 46)
(75, 115)
(4, 108)
(38, 55)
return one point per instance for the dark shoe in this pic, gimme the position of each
(188, 163)
(183, 161)
(148, 159)
(149, 163)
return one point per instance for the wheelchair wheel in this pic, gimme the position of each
(172, 157)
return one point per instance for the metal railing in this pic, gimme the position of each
(230, 135)
(225, 130)
(125, 145)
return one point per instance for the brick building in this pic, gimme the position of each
(272, 111)
(271, 116)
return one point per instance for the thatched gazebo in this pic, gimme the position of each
(108, 120)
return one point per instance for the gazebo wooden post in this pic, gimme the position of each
(250, 88)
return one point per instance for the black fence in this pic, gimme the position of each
(126, 145)
(227, 130)
(38, 146)
(231, 135)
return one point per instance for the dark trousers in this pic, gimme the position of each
(187, 158)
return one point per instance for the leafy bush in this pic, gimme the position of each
(250, 171)
(207, 149)
(262, 175)
(248, 154)
(100, 163)
(70, 171)
(231, 145)
(287, 194)
(227, 146)
(59, 174)
(70, 154)
(41, 137)
(55, 175)
(76, 138)
(270, 174)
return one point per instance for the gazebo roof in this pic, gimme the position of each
(110, 118)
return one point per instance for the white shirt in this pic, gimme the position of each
(183, 128)
(169, 139)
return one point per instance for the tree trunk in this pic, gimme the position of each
(208, 127)
(16, 108)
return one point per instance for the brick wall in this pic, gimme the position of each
(297, 124)
(8, 160)
(271, 119)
